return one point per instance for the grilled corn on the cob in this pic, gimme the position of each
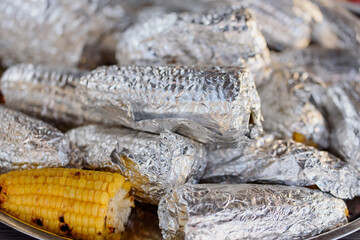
(69, 202)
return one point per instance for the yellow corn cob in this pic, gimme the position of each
(69, 202)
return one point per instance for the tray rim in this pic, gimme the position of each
(40, 234)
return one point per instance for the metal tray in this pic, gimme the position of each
(43, 235)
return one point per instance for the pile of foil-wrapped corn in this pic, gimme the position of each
(235, 119)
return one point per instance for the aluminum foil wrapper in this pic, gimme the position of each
(288, 108)
(329, 65)
(283, 162)
(217, 211)
(143, 224)
(284, 23)
(56, 32)
(153, 163)
(212, 105)
(342, 108)
(29, 143)
(339, 28)
(226, 37)
(44, 92)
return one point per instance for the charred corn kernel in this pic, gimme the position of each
(69, 202)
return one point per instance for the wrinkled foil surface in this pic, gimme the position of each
(29, 143)
(339, 28)
(283, 162)
(153, 163)
(225, 37)
(287, 107)
(342, 107)
(211, 105)
(329, 65)
(44, 32)
(284, 23)
(56, 32)
(248, 211)
(43, 92)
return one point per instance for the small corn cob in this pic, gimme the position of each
(69, 202)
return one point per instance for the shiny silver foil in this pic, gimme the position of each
(329, 65)
(288, 109)
(56, 32)
(339, 28)
(212, 105)
(152, 163)
(341, 105)
(45, 92)
(248, 211)
(226, 37)
(29, 143)
(284, 23)
(284, 162)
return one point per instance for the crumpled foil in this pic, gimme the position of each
(339, 28)
(284, 162)
(284, 23)
(248, 211)
(212, 105)
(56, 32)
(29, 143)
(225, 37)
(44, 92)
(152, 163)
(288, 109)
(341, 105)
(143, 224)
(329, 65)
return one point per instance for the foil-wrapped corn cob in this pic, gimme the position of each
(226, 37)
(339, 28)
(152, 163)
(27, 143)
(329, 65)
(217, 211)
(212, 105)
(69, 202)
(288, 109)
(284, 23)
(44, 92)
(341, 105)
(58, 32)
(284, 162)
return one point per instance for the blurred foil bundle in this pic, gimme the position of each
(30, 143)
(44, 92)
(225, 37)
(268, 160)
(288, 109)
(248, 211)
(61, 33)
(152, 163)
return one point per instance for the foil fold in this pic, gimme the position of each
(217, 211)
(152, 163)
(212, 105)
(288, 107)
(341, 105)
(58, 33)
(339, 28)
(28, 143)
(44, 92)
(225, 37)
(268, 160)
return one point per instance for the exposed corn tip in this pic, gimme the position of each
(69, 202)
